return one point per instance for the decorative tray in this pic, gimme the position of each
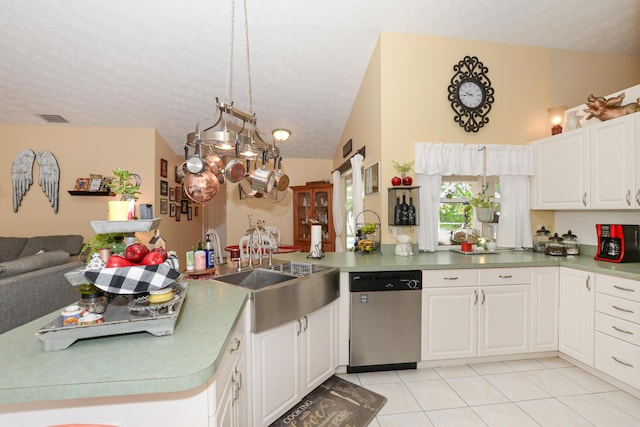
(458, 251)
(119, 318)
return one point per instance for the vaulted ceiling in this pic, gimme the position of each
(162, 63)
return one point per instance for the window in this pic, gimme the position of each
(455, 192)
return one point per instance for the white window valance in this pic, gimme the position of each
(467, 159)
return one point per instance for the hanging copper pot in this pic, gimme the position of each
(201, 187)
(214, 163)
(281, 179)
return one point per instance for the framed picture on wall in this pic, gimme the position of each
(164, 188)
(172, 194)
(82, 184)
(372, 179)
(164, 206)
(184, 206)
(190, 213)
(164, 166)
(96, 184)
(172, 209)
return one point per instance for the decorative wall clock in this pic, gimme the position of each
(471, 94)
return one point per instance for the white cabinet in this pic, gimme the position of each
(504, 314)
(478, 313)
(450, 323)
(617, 337)
(596, 167)
(613, 164)
(291, 360)
(545, 300)
(227, 394)
(577, 307)
(561, 171)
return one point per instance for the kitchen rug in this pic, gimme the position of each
(336, 403)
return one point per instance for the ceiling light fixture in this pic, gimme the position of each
(281, 135)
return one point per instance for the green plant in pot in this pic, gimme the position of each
(127, 185)
(484, 205)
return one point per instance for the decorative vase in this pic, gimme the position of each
(121, 210)
(484, 214)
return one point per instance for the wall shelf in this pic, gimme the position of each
(90, 193)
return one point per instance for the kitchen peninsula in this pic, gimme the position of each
(146, 378)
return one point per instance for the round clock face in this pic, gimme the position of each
(471, 94)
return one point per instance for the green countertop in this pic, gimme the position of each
(447, 260)
(141, 363)
(128, 364)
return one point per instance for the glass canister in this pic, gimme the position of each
(555, 246)
(570, 241)
(541, 239)
(94, 302)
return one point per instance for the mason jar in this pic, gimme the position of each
(555, 246)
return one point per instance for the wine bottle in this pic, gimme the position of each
(397, 213)
(404, 211)
(412, 212)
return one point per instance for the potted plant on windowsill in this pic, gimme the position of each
(484, 206)
(127, 185)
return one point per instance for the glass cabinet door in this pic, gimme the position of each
(321, 202)
(303, 215)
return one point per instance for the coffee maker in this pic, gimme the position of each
(618, 243)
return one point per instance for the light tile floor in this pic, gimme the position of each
(533, 392)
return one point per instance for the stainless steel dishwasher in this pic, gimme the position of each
(386, 314)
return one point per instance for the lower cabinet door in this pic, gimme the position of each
(275, 372)
(504, 315)
(449, 322)
(319, 350)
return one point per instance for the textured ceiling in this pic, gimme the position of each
(162, 63)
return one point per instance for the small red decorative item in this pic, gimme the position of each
(396, 180)
(407, 180)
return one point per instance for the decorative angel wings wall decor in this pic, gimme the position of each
(49, 177)
(22, 176)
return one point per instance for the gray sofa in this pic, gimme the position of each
(32, 281)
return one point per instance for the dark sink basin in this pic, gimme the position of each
(255, 279)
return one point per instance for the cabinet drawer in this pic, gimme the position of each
(618, 287)
(504, 276)
(618, 359)
(443, 278)
(626, 331)
(618, 307)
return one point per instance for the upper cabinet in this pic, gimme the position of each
(596, 167)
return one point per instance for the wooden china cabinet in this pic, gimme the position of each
(312, 204)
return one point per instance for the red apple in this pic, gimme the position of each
(396, 180)
(407, 180)
(135, 252)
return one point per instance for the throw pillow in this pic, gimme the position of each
(11, 247)
(32, 263)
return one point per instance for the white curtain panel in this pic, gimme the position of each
(337, 210)
(356, 170)
(515, 223)
(438, 159)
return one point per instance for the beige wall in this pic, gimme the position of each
(81, 151)
(403, 97)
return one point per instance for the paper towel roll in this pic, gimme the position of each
(316, 241)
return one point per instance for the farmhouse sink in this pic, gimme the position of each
(286, 292)
(255, 279)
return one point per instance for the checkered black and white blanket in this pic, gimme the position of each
(136, 279)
